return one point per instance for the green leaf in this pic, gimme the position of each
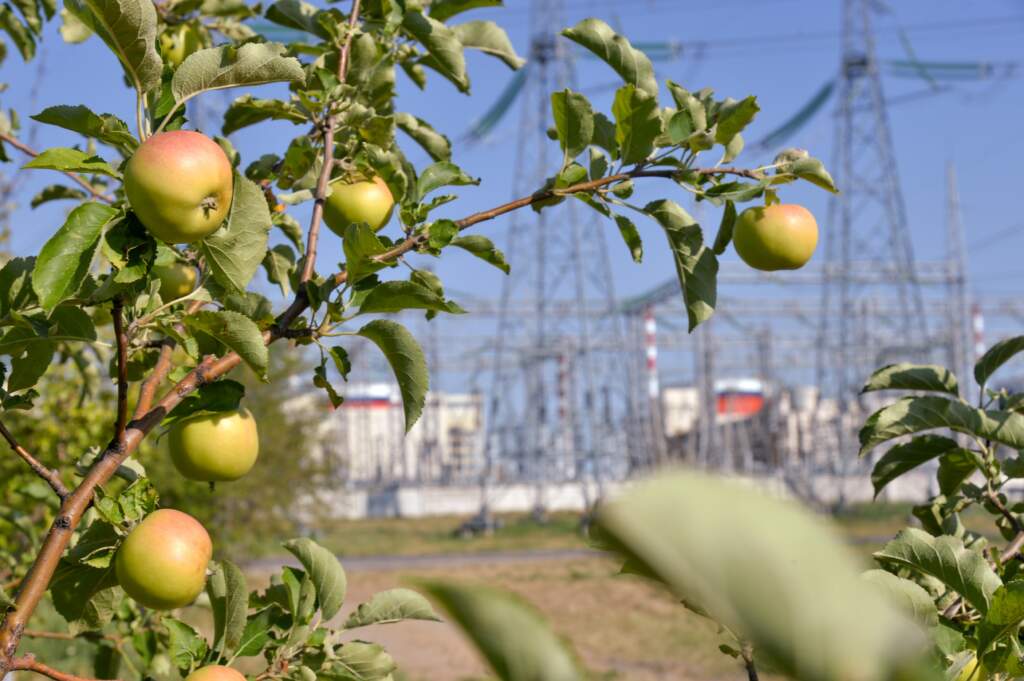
(637, 123)
(106, 128)
(129, 28)
(733, 116)
(279, 262)
(689, 105)
(247, 110)
(441, 174)
(604, 134)
(441, 43)
(221, 395)
(217, 68)
(64, 260)
(945, 558)
(631, 237)
(513, 637)
(995, 357)
(1004, 617)
(905, 594)
(696, 265)
(442, 10)
(296, 14)
(70, 160)
(257, 633)
(56, 192)
(630, 63)
(361, 244)
(237, 332)
(16, 292)
(489, 38)
(574, 121)
(27, 369)
(724, 236)
(768, 569)
(326, 572)
(234, 252)
(434, 143)
(229, 600)
(954, 468)
(483, 248)
(186, 646)
(19, 33)
(395, 296)
(908, 456)
(915, 414)
(358, 661)
(810, 169)
(84, 596)
(393, 605)
(907, 376)
(407, 361)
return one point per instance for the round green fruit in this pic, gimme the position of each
(777, 237)
(162, 562)
(216, 447)
(179, 185)
(178, 42)
(215, 672)
(368, 201)
(176, 280)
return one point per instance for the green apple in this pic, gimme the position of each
(179, 184)
(776, 237)
(176, 280)
(215, 447)
(368, 201)
(162, 562)
(177, 42)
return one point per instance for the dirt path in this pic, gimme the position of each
(622, 628)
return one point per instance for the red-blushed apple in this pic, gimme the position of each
(776, 237)
(214, 447)
(176, 280)
(368, 201)
(162, 562)
(179, 184)
(215, 672)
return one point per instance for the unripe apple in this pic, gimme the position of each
(215, 447)
(776, 237)
(215, 672)
(179, 185)
(162, 562)
(176, 280)
(178, 42)
(368, 201)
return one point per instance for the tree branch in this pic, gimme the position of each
(322, 183)
(37, 580)
(51, 477)
(122, 370)
(29, 663)
(29, 151)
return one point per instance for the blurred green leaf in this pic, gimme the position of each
(995, 357)
(907, 376)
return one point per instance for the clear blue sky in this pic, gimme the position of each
(780, 50)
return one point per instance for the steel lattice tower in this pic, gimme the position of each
(555, 405)
(868, 248)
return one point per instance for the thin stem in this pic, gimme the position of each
(29, 151)
(122, 370)
(140, 117)
(51, 477)
(64, 636)
(322, 183)
(29, 663)
(747, 652)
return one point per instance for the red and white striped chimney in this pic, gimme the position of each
(651, 348)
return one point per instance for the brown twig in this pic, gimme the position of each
(122, 370)
(747, 653)
(29, 663)
(65, 636)
(324, 180)
(51, 477)
(29, 151)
